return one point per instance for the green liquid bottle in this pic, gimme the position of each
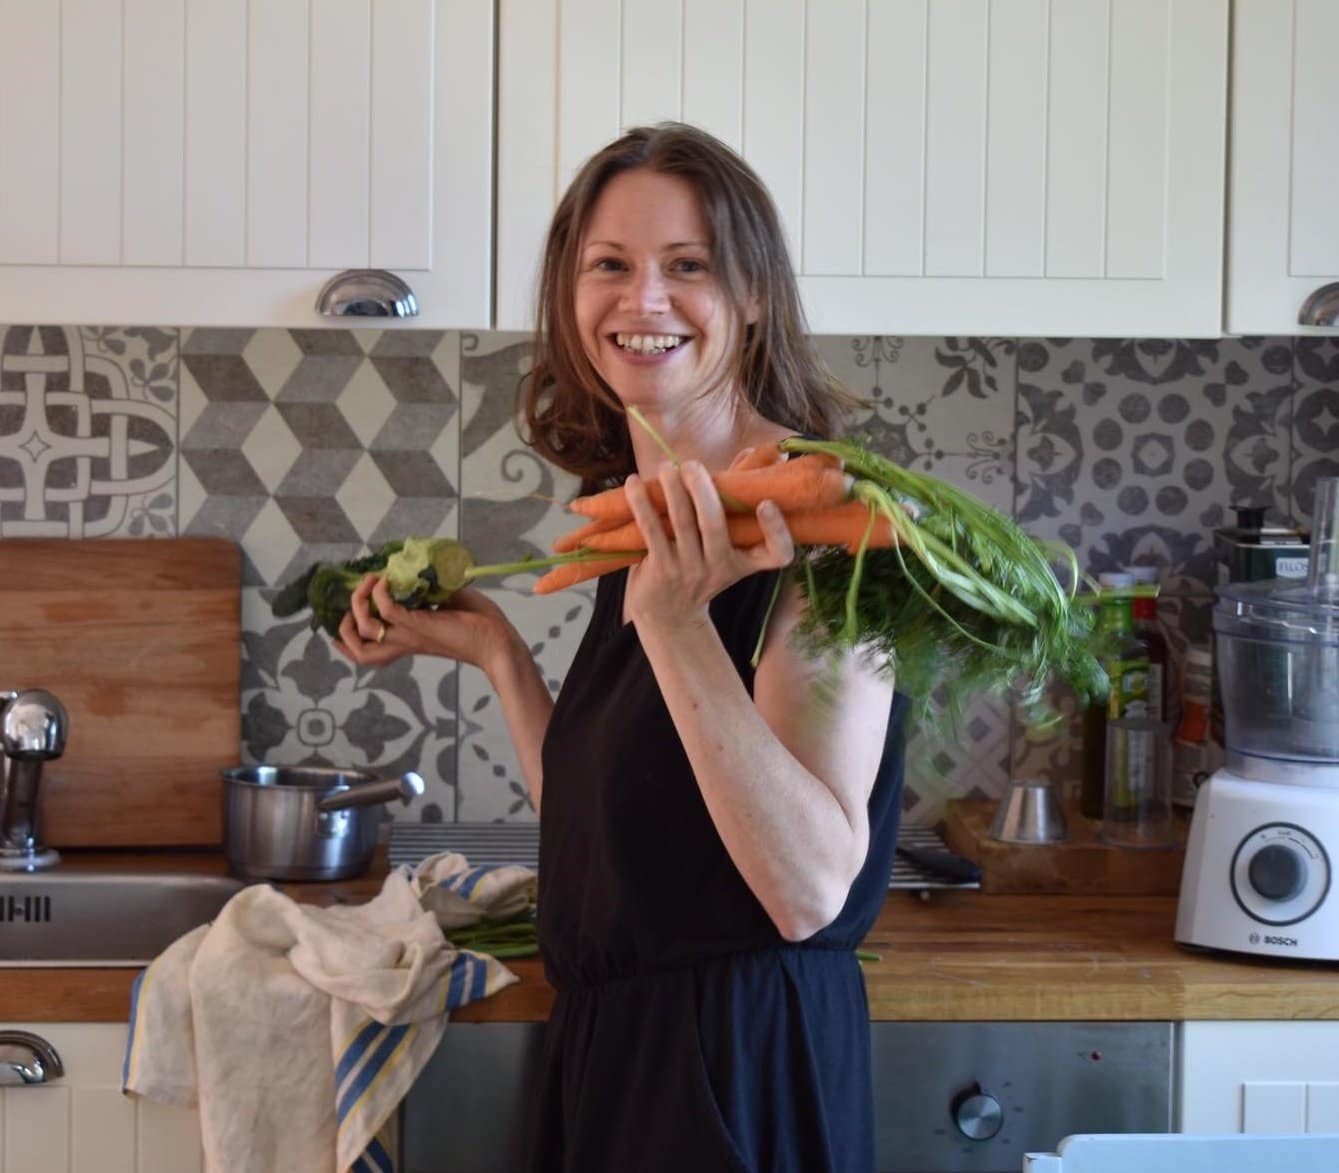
(1125, 659)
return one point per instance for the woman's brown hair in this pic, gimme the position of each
(571, 415)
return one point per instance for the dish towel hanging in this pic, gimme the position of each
(296, 1030)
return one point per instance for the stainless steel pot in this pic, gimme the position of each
(305, 823)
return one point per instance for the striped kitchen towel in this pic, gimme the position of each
(296, 1030)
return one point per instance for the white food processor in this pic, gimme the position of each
(1259, 872)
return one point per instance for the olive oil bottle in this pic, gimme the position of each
(1125, 659)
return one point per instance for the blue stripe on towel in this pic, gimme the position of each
(455, 990)
(370, 1069)
(480, 986)
(134, 1021)
(377, 1156)
(467, 889)
(354, 1051)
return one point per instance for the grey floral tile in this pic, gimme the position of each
(1132, 450)
(1315, 422)
(88, 432)
(511, 509)
(938, 405)
(304, 704)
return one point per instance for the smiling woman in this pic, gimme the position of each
(717, 823)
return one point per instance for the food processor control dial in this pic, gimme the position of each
(1277, 872)
(1280, 874)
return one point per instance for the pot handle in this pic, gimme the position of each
(406, 786)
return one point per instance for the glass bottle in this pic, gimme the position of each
(1126, 663)
(1149, 631)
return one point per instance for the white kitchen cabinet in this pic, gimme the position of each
(214, 162)
(1283, 233)
(81, 1122)
(941, 166)
(1279, 1077)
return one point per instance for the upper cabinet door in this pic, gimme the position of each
(213, 162)
(942, 166)
(1284, 230)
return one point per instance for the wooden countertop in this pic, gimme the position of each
(958, 956)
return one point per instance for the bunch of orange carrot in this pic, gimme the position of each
(811, 490)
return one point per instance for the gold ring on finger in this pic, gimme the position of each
(381, 633)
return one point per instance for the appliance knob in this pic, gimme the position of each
(977, 1113)
(1277, 872)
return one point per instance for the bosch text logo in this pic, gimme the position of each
(1290, 942)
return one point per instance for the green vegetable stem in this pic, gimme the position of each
(420, 572)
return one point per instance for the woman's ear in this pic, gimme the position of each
(752, 309)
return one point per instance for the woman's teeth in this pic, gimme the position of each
(648, 343)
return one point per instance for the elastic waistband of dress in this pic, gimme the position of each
(580, 985)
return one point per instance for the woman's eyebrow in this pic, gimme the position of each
(668, 248)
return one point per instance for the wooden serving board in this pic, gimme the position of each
(141, 641)
(1082, 864)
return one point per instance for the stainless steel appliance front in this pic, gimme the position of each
(960, 1097)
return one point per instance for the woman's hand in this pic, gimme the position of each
(472, 629)
(673, 584)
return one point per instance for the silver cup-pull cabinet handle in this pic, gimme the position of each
(26, 1058)
(1321, 308)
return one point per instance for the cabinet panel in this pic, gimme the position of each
(155, 122)
(774, 104)
(1283, 239)
(941, 167)
(1257, 1077)
(1137, 153)
(955, 135)
(651, 46)
(713, 68)
(215, 143)
(214, 162)
(401, 150)
(1016, 138)
(587, 110)
(81, 1123)
(29, 132)
(277, 114)
(894, 118)
(1315, 228)
(90, 133)
(340, 129)
(834, 150)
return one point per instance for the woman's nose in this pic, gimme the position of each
(645, 291)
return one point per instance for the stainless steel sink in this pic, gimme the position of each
(97, 918)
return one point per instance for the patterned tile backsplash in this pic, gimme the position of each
(308, 444)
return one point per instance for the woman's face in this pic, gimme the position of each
(653, 319)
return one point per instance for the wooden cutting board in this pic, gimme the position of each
(141, 641)
(1082, 864)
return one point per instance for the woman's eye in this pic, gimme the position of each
(607, 265)
(690, 265)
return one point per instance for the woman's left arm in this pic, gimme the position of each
(785, 774)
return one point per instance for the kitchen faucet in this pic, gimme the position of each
(33, 730)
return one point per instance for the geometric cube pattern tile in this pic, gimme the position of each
(309, 444)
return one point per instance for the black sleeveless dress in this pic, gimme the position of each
(687, 1034)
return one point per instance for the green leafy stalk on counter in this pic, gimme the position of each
(515, 937)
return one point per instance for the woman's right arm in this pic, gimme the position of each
(472, 630)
